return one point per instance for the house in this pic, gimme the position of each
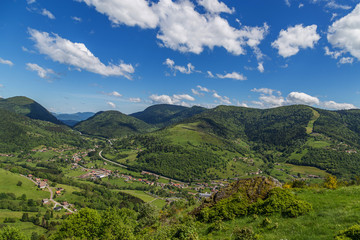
(58, 192)
(45, 201)
(205, 195)
(65, 204)
(57, 208)
(42, 185)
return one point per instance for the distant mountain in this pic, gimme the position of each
(164, 114)
(71, 119)
(112, 124)
(28, 107)
(18, 132)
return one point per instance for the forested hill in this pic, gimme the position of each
(19, 132)
(276, 126)
(28, 107)
(164, 114)
(112, 124)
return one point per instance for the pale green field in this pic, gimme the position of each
(8, 181)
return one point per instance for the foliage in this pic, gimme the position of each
(11, 233)
(330, 182)
(352, 233)
(245, 233)
(112, 124)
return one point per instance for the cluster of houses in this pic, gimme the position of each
(40, 183)
(97, 173)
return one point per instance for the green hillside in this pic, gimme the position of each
(28, 107)
(112, 124)
(164, 114)
(18, 132)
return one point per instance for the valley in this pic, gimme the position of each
(174, 163)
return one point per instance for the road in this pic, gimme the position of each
(123, 166)
(51, 196)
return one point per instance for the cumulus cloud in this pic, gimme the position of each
(76, 54)
(180, 26)
(126, 12)
(135, 100)
(185, 70)
(41, 72)
(30, 1)
(287, 2)
(302, 98)
(291, 40)
(268, 99)
(47, 13)
(175, 99)
(337, 106)
(196, 92)
(7, 62)
(333, 54)
(222, 99)
(344, 33)
(111, 104)
(113, 94)
(214, 6)
(233, 75)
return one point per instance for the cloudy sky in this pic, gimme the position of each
(91, 55)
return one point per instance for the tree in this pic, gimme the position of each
(19, 183)
(330, 182)
(25, 217)
(11, 233)
(83, 225)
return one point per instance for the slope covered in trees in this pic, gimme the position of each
(28, 107)
(112, 124)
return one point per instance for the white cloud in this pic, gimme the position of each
(302, 98)
(214, 6)
(210, 75)
(128, 12)
(261, 67)
(233, 75)
(111, 104)
(223, 100)
(291, 40)
(332, 4)
(333, 54)
(344, 33)
(337, 106)
(78, 19)
(184, 96)
(41, 72)
(76, 54)
(30, 1)
(346, 60)
(180, 26)
(301, 5)
(7, 62)
(47, 13)
(185, 70)
(203, 89)
(175, 99)
(113, 94)
(195, 92)
(266, 91)
(287, 2)
(135, 100)
(268, 99)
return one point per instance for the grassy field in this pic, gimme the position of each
(310, 126)
(317, 144)
(8, 183)
(306, 170)
(333, 210)
(159, 203)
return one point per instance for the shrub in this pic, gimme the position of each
(245, 233)
(351, 233)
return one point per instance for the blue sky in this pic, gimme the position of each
(89, 55)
